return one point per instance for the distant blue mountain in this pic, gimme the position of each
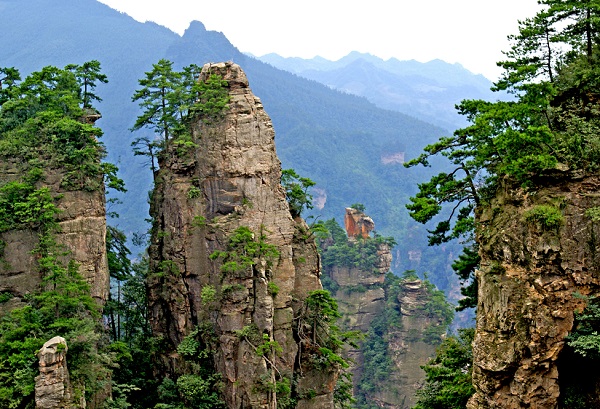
(428, 91)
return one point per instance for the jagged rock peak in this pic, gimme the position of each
(231, 180)
(231, 72)
(357, 223)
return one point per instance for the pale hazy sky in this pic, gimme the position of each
(470, 32)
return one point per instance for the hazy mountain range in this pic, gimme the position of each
(427, 91)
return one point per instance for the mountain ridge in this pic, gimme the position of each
(401, 86)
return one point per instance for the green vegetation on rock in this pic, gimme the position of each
(46, 129)
(448, 375)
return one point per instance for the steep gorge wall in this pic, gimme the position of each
(82, 232)
(231, 180)
(528, 282)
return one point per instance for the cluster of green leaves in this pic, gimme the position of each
(553, 121)
(547, 217)
(170, 101)
(201, 388)
(337, 250)
(297, 191)
(585, 338)
(44, 124)
(437, 308)
(244, 250)
(324, 340)
(448, 375)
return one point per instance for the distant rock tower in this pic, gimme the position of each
(357, 223)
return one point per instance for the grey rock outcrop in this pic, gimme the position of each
(232, 180)
(528, 284)
(52, 386)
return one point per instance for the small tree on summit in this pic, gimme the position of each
(171, 100)
(296, 191)
(158, 99)
(87, 75)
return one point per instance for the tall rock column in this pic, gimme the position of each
(203, 200)
(52, 386)
(531, 273)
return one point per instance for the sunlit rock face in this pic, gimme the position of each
(528, 284)
(231, 179)
(358, 224)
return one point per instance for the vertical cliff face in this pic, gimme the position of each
(228, 260)
(538, 252)
(81, 232)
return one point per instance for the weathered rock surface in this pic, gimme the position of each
(527, 284)
(82, 221)
(362, 297)
(357, 223)
(52, 386)
(232, 179)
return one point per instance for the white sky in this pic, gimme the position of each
(470, 32)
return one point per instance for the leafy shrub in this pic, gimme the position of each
(547, 217)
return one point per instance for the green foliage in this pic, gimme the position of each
(593, 213)
(337, 250)
(87, 75)
(322, 342)
(208, 295)
(552, 123)
(197, 391)
(546, 217)
(22, 206)
(448, 375)
(438, 308)
(46, 123)
(358, 206)
(296, 191)
(43, 125)
(268, 347)
(194, 192)
(585, 338)
(465, 267)
(170, 101)
(272, 288)
(244, 251)
(199, 221)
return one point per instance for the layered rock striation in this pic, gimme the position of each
(533, 270)
(210, 205)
